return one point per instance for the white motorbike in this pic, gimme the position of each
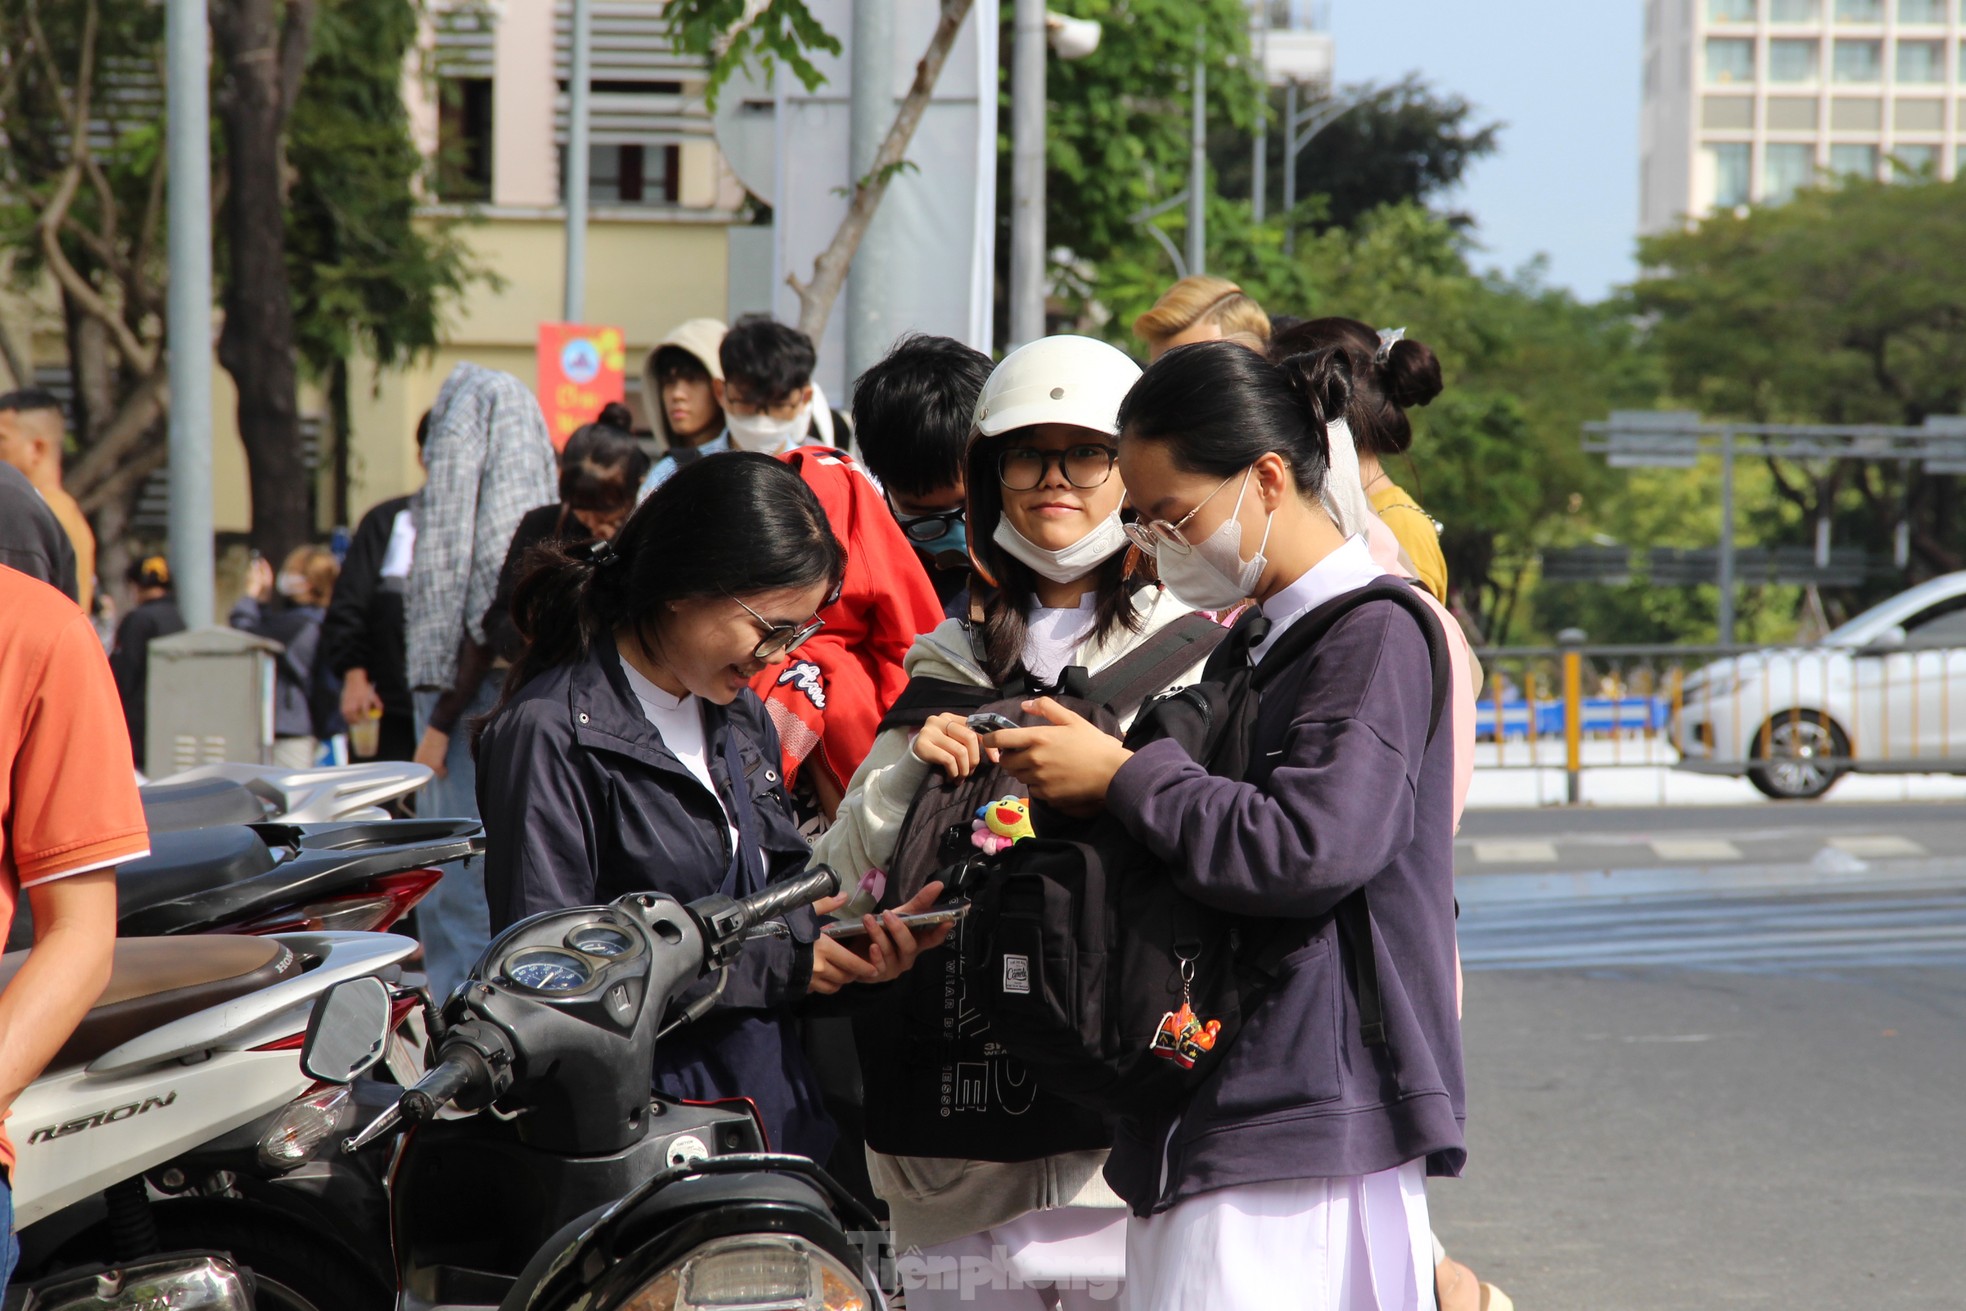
(228, 793)
(163, 1159)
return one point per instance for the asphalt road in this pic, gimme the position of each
(1716, 1085)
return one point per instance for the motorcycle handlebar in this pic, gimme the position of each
(438, 1088)
(814, 885)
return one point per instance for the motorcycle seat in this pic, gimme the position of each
(184, 864)
(200, 803)
(157, 980)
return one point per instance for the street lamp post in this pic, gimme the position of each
(189, 309)
(1027, 127)
(574, 304)
(1299, 128)
(1198, 163)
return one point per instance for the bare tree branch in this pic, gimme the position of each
(108, 457)
(829, 271)
(295, 33)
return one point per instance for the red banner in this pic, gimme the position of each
(581, 368)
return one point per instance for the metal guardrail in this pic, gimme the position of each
(1792, 719)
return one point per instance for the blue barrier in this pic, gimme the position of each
(1602, 716)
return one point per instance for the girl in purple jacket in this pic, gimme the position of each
(1295, 1174)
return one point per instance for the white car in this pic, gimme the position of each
(1883, 694)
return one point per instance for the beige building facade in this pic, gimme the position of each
(1745, 101)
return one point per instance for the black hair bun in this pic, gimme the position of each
(616, 415)
(1411, 374)
(1322, 379)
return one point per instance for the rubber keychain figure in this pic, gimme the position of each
(1183, 1038)
(1001, 824)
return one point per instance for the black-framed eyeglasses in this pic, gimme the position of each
(1022, 468)
(928, 527)
(780, 639)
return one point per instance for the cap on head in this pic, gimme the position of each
(1074, 380)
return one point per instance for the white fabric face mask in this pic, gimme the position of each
(1212, 575)
(1072, 563)
(765, 435)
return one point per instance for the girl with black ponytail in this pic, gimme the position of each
(628, 753)
(1310, 1141)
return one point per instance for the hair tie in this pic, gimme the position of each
(1388, 338)
(599, 554)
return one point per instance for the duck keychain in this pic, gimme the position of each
(1183, 1037)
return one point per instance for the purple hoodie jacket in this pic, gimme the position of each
(1346, 794)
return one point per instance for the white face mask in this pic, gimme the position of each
(765, 435)
(1072, 563)
(1213, 575)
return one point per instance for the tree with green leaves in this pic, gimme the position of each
(1846, 305)
(323, 212)
(733, 33)
(1397, 144)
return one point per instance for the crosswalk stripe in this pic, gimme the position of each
(1494, 851)
(1877, 846)
(1800, 930)
(1694, 849)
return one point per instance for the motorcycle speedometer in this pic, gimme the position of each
(548, 970)
(599, 940)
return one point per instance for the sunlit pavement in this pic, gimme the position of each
(1702, 1080)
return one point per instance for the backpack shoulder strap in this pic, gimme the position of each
(925, 697)
(1144, 672)
(1308, 631)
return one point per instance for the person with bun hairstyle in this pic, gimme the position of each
(1294, 1174)
(1199, 309)
(626, 752)
(1391, 374)
(1057, 587)
(601, 472)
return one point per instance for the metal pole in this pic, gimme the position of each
(1198, 165)
(1289, 166)
(1260, 164)
(871, 109)
(1727, 537)
(188, 125)
(574, 307)
(1573, 717)
(1027, 133)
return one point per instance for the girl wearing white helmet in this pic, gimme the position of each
(1055, 590)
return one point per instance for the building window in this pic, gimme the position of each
(1853, 161)
(1908, 162)
(464, 138)
(632, 174)
(1922, 11)
(1795, 11)
(1794, 61)
(1921, 61)
(1733, 173)
(1859, 61)
(1859, 11)
(1730, 11)
(1786, 168)
(1729, 60)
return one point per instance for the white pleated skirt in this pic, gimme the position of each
(1354, 1244)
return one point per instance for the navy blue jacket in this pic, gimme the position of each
(583, 803)
(1346, 793)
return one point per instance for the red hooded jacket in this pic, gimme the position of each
(832, 693)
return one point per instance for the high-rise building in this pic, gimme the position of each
(1746, 101)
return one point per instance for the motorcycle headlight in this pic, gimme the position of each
(753, 1272)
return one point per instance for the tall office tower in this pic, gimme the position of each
(1747, 100)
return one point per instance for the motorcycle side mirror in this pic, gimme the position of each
(348, 1031)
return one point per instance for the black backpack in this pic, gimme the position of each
(1079, 950)
(945, 1086)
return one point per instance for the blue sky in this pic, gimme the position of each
(1563, 75)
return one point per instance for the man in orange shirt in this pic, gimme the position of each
(69, 814)
(31, 433)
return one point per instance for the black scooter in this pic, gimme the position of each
(362, 876)
(570, 1187)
